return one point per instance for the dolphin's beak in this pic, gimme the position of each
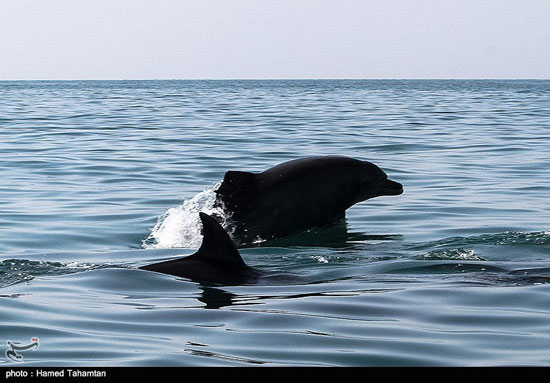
(389, 187)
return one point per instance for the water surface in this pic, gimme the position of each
(100, 177)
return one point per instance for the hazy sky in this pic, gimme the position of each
(161, 39)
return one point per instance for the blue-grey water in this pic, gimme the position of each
(100, 177)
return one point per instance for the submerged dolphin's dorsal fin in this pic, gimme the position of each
(217, 248)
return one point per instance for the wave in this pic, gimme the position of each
(468, 248)
(452, 254)
(508, 238)
(14, 271)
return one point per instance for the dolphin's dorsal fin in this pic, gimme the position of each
(217, 248)
(238, 179)
(236, 187)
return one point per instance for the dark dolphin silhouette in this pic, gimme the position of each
(298, 195)
(217, 260)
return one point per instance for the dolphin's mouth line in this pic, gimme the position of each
(389, 187)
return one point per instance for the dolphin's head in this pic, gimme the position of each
(373, 182)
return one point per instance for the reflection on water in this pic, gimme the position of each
(214, 298)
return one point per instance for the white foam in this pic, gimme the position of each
(456, 254)
(180, 226)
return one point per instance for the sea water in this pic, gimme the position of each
(98, 178)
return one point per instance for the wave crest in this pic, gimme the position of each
(508, 238)
(14, 271)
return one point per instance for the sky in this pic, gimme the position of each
(274, 39)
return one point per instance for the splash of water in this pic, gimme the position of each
(180, 226)
(452, 254)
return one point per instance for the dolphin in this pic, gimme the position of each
(298, 195)
(217, 261)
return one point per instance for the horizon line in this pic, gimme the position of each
(298, 79)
